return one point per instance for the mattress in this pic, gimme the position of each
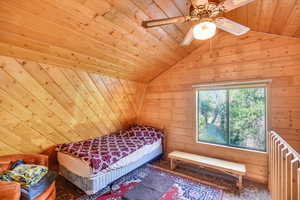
(99, 183)
(81, 168)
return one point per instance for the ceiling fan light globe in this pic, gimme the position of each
(204, 30)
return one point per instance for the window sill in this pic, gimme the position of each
(229, 147)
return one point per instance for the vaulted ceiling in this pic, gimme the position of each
(280, 17)
(105, 36)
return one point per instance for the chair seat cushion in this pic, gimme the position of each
(33, 191)
(26, 175)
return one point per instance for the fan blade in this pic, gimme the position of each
(233, 4)
(231, 26)
(161, 22)
(197, 3)
(188, 38)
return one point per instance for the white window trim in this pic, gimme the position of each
(262, 83)
(231, 84)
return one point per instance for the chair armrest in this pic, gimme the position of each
(4, 166)
(10, 190)
(37, 159)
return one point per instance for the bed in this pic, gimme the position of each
(141, 144)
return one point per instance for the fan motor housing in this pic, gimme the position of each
(212, 9)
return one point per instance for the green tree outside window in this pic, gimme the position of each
(233, 117)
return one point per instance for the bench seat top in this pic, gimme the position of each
(233, 167)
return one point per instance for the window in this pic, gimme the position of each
(232, 115)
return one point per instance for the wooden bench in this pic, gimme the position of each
(235, 169)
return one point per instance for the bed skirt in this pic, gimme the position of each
(91, 185)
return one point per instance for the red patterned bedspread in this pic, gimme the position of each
(104, 151)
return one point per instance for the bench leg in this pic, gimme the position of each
(240, 182)
(173, 165)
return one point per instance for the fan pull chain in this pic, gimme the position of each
(210, 46)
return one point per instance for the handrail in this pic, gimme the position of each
(291, 149)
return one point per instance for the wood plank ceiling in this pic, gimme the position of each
(105, 36)
(281, 17)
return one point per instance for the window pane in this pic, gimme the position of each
(247, 118)
(212, 126)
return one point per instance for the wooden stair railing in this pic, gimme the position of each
(284, 169)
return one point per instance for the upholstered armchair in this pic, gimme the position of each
(12, 190)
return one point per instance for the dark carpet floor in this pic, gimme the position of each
(66, 190)
(251, 190)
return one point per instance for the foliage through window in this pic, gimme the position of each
(233, 117)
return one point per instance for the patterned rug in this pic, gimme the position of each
(182, 189)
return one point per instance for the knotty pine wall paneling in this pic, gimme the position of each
(43, 105)
(170, 99)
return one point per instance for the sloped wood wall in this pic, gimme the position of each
(170, 99)
(42, 105)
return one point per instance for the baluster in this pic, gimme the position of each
(279, 186)
(294, 178)
(288, 160)
(298, 183)
(277, 168)
(284, 151)
(271, 158)
(270, 161)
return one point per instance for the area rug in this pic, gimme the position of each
(180, 189)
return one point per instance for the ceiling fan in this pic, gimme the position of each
(207, 12)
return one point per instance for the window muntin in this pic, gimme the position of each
(232, 116)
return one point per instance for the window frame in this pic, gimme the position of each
(227, 87)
